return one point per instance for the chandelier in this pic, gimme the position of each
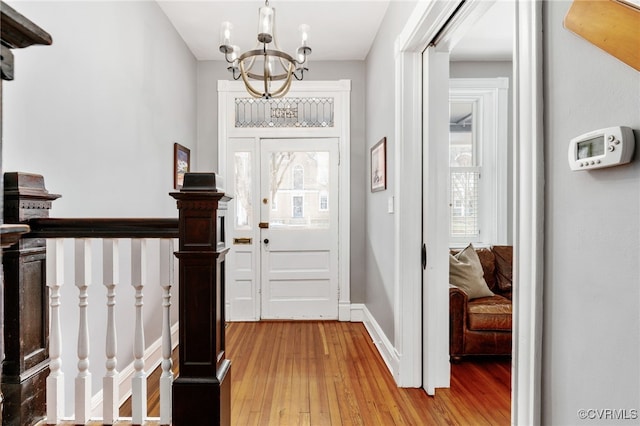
(266, 62)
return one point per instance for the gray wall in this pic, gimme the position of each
(591, 338)
(477, 69)
(380, 119)
(97, 114)
(209, 72)
(109, 105)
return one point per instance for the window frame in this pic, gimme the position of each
(490, 97)
(293, 206)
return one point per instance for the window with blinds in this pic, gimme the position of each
(478, 161)
(464, 202)
(465, 172)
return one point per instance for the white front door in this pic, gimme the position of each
(284, 258)
(299, 228)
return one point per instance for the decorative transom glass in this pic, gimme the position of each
(284, 112)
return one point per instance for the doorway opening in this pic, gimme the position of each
(285, 162)
(481, 196)
(425, 360)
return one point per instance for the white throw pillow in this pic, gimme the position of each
(465, 272)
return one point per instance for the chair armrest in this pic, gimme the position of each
(457, 319)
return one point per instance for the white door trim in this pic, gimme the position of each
(529, 215)
(436, 370)
(341, 91)
(425, 21)
(528, 202)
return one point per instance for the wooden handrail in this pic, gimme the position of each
(103, 228)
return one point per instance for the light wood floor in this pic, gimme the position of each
(330, 373)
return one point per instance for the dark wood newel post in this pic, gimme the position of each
(202, 392)
(26, 307)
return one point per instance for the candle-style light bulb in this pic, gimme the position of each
(304, 34)
(225, 37)
(265, 24)
(304, 50)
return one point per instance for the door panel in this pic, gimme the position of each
(435, 187)
(243, 261)
(299, 193)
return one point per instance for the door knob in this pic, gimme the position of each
(266, 241)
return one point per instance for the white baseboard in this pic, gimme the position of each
(360, 313)
(344, 311)
(152, 357)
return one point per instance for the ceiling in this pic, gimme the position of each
(340, 30)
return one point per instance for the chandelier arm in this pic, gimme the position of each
(252, 54)
(285, 87)
(253, 92)
(251, 62)
(269, 52)
(266, 75)
(301, 76)
(260, 77)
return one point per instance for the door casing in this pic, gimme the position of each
(340, 90)
(421, 28)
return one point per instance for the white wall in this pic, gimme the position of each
(209, 72)
(591, 338)
(380, 119)
(97, 114)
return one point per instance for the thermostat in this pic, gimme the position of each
(608, 147)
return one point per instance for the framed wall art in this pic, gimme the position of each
(379, 166)
(181, 164)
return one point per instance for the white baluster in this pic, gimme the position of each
(83, 379)
(166, 281)
(110, 270)
(139, 380)
(55, 380)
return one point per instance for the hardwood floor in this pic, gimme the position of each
(329, 373)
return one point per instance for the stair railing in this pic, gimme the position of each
(112, 234)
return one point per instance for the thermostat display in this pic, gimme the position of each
(601, 148)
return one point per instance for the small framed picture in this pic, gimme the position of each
(379, 166)
(181, 164)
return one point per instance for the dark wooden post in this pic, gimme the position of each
(26, 306)
(16, 32)
(202, 392)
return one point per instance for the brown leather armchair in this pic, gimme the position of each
(483, 326)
